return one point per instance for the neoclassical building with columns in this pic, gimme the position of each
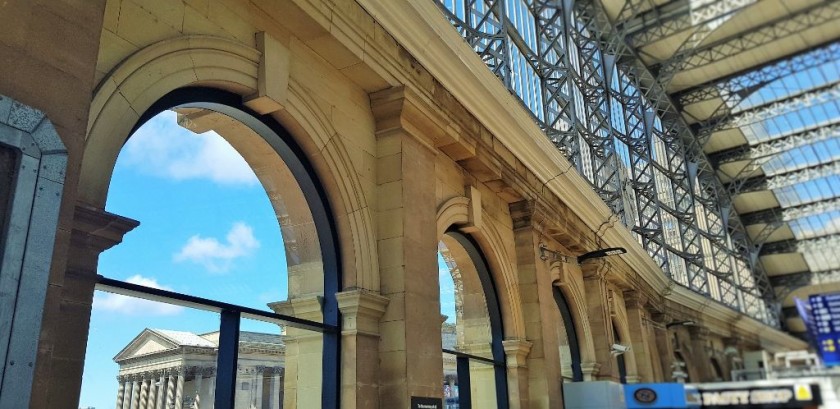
(177, 369)
(382, 142)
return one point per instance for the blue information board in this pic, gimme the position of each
(825, 310)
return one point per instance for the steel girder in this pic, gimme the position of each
(592, 78)
(672, 18)
(788, 283)
(637, 136)
(829, 242)
(736, 87)
(776, 146)
(777, 181)
(694, 57)
(786, 214)
(792, 103)
(676, 134)
(574, 61)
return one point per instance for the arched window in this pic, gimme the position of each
(474, 357)
(569, 348)
(237, 342)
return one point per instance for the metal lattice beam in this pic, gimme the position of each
(776, 146)
(792, 103)
(788, 283)
(672, 18)
(783, 27)
(786, 214)
(822, 243)
(759, 183)
(736, 87)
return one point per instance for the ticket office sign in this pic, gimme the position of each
(765, 397)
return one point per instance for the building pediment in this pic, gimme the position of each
(147, 343)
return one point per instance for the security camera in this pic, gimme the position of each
(618, 349)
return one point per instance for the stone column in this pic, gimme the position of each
(199, 376)
(126, 404)
(211, 393)
(360, 314)
(516, 357)
(153, 391)
(144, 392)
(634, 304)
(259, 378)
(410, 346)
(600, 321)
(170, 389)
(276, 387)
(120, 392)
(179, 389)
(161, 391)
(135, 392)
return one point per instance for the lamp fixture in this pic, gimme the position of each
(546, 254)
(687, 323)
(612, 251)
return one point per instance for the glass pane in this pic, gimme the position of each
(482, 384)
(221, 215)
(278, 367)
(146, 351)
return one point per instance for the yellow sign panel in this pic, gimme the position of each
(803, 392)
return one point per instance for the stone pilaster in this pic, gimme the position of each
(664, 346)
(66, 321)
(304, 353)
(410, 345)
(699, 357)
(543, 361)
(634, 304)
(600, 321)
(360, 314)
(516, 357)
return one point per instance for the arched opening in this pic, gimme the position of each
(569, 346)
(620, 360)
(238, 343)
(474, 357)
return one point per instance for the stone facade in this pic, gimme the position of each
(410, 136)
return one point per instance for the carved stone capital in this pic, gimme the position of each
(634, 299)
(589, 370)
(94, 231)
(361, 311)
(516, 352)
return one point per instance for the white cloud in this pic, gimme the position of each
(163, 148)
(135, 306)
(216, 256)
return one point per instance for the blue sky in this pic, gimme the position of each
(206, 229)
